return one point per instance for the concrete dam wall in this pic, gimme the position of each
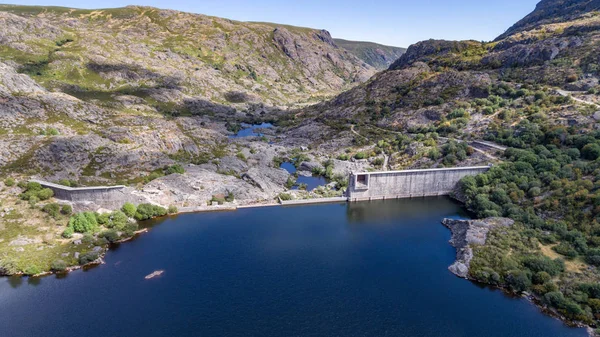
(407, 184)
(81, 194)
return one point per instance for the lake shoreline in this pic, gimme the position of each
(467, 232)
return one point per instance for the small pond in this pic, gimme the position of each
(311, 182)
(250, 130)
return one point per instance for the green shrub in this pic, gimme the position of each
(83, 222)
(35, 190)
(65, 182)
(360, 155)
(33, 186)
(378, 161)
(88, 257)
(241, 156)
(32, 270)
(230, 197)
(110, 235)
(518, 280)
(66, 209)
(220, 200)
(148, 211)
(290, 182)
(285, 196)
(172, 209)
(58, 265)
(52, 209)
(103, 219)
(45, 194)
(87, 238)
(130, 229)
(591, 151)
(129, 209)
(174, 169)
(33, 200)
(68, 233)
(10, 182)
(118, 220)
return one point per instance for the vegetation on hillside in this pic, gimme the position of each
(550, 185)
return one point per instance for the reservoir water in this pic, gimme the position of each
(362, 269)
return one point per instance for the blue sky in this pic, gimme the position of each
(392, 22)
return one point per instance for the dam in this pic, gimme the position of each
(408, 183)
(83, 194)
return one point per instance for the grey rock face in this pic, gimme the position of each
(309, 166)
(466, 233)
(534, 53)
(583, 85)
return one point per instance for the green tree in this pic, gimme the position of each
(118, 220)
(518, 280)
(591, 151)
(82, 222)
(129, 209)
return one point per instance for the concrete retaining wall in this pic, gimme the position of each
(314, 201)
(407, 184)
(97, 194)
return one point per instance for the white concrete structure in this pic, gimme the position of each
(407, 184)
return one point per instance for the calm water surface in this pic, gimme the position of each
(311, 182)
(367, 269)
(250, 130)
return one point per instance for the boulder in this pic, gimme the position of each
(309, 166)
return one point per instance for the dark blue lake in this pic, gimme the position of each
(311, 182)
(363, 269)
(250, 130)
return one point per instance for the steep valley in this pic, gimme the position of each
(153, 99)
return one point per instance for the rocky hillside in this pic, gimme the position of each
(376, 55)
(173, 60)
(102, 96)
(553, 11)
(423, 88)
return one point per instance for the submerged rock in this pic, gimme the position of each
(466, 233)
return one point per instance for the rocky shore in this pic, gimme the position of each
(466, 233)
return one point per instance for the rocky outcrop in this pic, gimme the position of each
(465, 234)
(423, 50)
(528, 54)
(552, 11)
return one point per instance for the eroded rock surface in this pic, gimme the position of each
(466, 233)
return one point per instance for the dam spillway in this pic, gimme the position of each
(408, 183)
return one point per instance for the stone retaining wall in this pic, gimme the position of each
(97, 194)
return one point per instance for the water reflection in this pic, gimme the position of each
(405, 209)
(249, 130)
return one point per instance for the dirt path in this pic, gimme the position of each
(570, 93)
